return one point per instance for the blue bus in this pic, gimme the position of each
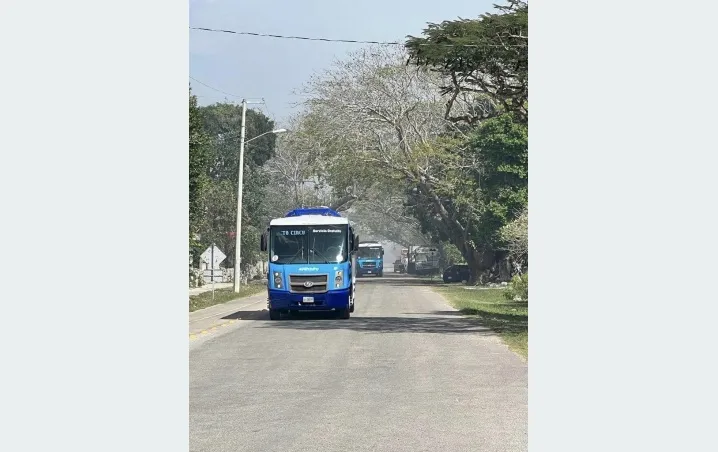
(370, 259)
(312, 258)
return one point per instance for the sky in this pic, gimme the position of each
(271, 68)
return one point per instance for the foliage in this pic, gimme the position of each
(450, 254)
(518, 288)
(382, 215)
(296, 173)
(488, 55)
(199, 158)
(365, 115)
(516, 236)
(485, 181)
(479, 185)
(501, 146)
(380, 133)
(221, 122)
(196, 278)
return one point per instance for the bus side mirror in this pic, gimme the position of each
(356, 242)
(263, 242)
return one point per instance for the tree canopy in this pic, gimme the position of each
(214, 217)
(487, 56)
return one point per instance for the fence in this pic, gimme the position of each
(200, 277)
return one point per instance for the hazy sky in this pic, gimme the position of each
(271, 68)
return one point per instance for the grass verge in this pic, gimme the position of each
(510, 319)
(204, 300)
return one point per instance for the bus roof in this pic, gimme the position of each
(321, 210)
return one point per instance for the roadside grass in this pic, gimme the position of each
(204, 300)
(510, 319)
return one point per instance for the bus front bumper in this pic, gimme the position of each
(328, 301)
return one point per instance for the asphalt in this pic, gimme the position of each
(405, 373)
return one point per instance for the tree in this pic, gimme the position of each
(199, 159)
(390, 117)
(383, 215)
(382, 129)
(501, 146)
(366, 114)
(297, 172)
(486, 56)
(222, 122)
(484, 186)
(516, 236)
(446, 201)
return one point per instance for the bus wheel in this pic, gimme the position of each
(345, 313)
(275, 314)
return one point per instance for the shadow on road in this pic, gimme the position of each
(504, 323)
(248, 315)
(437, 323)
(398, 280)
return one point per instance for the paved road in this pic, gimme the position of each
(405, 373)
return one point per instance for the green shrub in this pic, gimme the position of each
(518, 288)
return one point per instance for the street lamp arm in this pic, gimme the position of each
(266, 133)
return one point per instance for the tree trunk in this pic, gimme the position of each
(504, 269)
(443, 261)
(479, 262)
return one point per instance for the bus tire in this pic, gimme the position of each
(345, 313)
(275, 314)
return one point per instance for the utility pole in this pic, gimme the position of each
(240, 187)
(238, 234)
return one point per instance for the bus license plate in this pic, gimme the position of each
(307, 299)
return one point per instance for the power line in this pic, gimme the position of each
(213, 88)
(354, 41)
(248, 33)
(266, 109)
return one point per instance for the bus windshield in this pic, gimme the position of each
(308, 244)
(367, 252)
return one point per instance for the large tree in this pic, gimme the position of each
(486, 56)
(199, 160)
(222, 123)
(391, 118)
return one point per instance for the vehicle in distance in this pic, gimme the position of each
(370, 259)
(456, 273)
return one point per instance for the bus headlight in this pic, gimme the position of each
(338, 278)
(277, 280)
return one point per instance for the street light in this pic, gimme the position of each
(238, 235)
(266, 133)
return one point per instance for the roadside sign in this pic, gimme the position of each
(213, 256)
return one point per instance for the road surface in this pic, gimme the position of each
(405, 373)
